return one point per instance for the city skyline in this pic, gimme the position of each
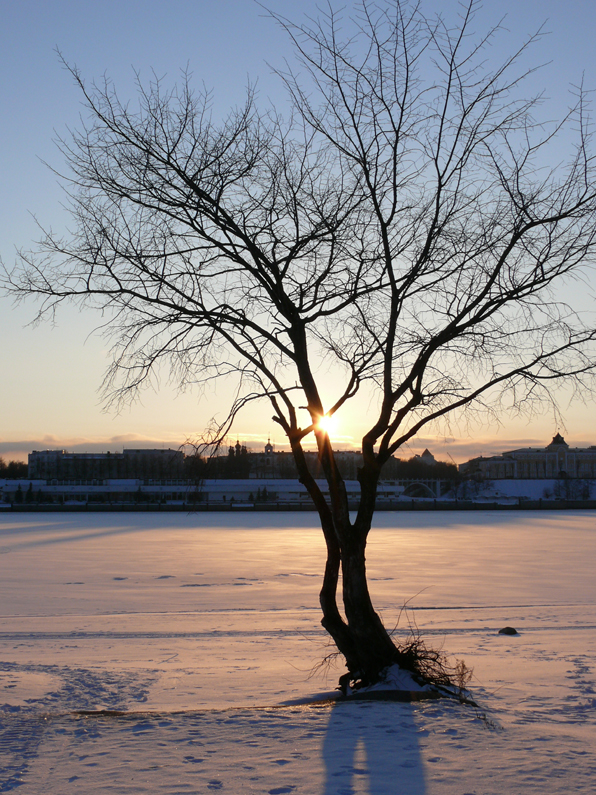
(454, 450)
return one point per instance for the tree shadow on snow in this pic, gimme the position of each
(374, 741)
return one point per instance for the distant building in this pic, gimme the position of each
(427, 458)
(58, 467)
(130, 463)
(273, 464)
(138, 476)
(556, 460)
(135, 492)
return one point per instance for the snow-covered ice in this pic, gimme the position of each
(204, 629)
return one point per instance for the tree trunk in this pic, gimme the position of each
(361, 637)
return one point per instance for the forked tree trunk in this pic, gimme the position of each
(361, 637)
(359, 634)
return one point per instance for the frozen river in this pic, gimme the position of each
(200, 626)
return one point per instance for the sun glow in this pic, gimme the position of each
(327, 424)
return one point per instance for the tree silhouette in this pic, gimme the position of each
(404, 224)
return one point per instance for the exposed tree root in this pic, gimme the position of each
(433, 666)
(428, 666)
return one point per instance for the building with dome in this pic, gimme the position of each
(555, 461)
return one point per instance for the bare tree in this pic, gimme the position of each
(405, 222)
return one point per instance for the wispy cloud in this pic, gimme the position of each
(19, 449)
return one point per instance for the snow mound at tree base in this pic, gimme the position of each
(397, 684)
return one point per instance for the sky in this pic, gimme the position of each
(51, 375)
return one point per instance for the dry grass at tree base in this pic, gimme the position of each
(430, 667)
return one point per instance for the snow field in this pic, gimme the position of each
(200, 627)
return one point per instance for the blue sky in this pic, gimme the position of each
(51, 375)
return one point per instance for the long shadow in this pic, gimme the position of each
(372, 747)
(64, 535)
(59, 528)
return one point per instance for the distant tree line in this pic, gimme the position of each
(241, 463)
(14, 469)
(416, 469)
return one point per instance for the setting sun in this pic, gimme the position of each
(327, 423)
